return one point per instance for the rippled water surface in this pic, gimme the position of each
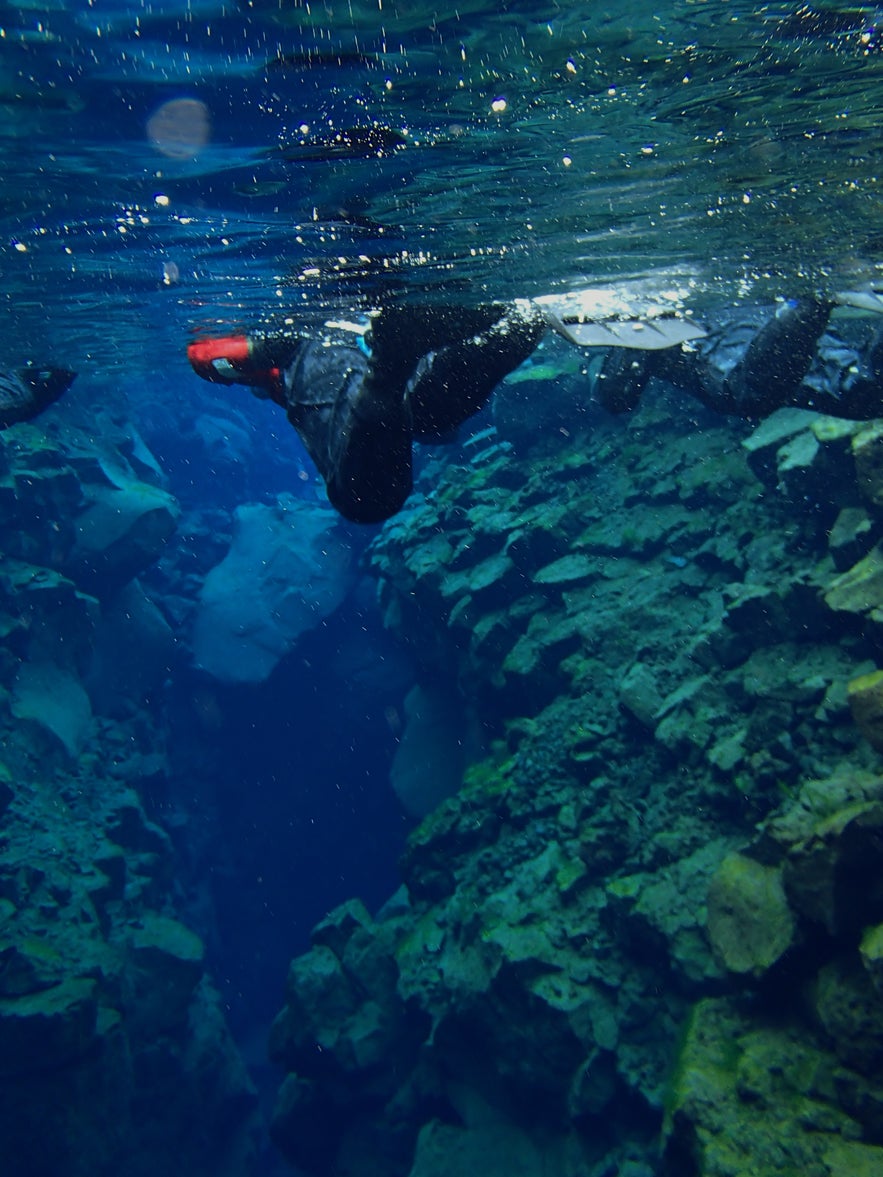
(175, 166)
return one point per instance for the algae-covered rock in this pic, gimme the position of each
(640, 695)
(336, 929)
(569, 568)
(865, 695)
(758, 1097)
(653, 681)
(830, 875)
(750, 924)
(28, 965)
(668, 908)
(850, 537)
(867, 450)
(764, 444)
(806, 455)
(847, 1006)
(871, 952)
(859, 589)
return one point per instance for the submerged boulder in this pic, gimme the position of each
(289, 567)
(750, 924)
(121, 532)
(56, 701)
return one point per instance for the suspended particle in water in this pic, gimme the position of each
(180, 128)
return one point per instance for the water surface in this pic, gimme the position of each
(178, 166)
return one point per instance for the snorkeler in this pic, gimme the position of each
(428, 370)
(26, 392)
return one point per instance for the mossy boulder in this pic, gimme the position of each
(750, 923)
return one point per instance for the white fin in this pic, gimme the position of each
(863, 300)
(648, 334)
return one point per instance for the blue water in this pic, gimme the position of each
(174, 169)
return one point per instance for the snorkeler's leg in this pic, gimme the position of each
(455, 381)
(623, 377)
(400, 336)
(356, 430)
(779, 356)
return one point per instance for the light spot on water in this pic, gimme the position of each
(180, 128)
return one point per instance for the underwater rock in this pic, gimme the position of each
(30, 965)
(829, 876)
(821, 838)
(289, 567)
(806, 455)
(49, 1028)
(763, 445)
(639, 695)
(859, 590)
(666, 909)
(850, 537)
(167, 964)
(429, 761)
(495, 1148)
(54, 700)
(871, 952)
(127, 825)
(640, 633)
(847, 1006)
(764, 1093)
(7, 793)
(750, 924)
(348, 1044)
(46, 616)
(867, 451)
(134, 650)
(575, 567)
(94, 510)
(120, 533)
(865, 695)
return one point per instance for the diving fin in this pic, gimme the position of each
(863, 300)
(594, 328)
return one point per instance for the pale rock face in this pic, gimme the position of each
(288, 568)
